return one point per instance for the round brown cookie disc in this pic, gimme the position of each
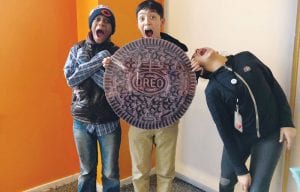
(150, 83)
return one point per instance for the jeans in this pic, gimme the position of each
(264, 157)
(86, 144)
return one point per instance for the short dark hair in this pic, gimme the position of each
(152, 5)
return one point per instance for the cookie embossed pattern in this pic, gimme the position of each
(150, 83)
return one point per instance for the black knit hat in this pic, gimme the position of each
(105, 11)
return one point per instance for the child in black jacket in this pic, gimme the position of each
(251, 113)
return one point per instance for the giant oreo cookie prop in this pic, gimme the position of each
(150, 83)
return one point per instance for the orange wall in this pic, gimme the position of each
(83, 10)
(36, 142)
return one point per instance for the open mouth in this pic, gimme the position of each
(148, 33)
(201, 51)
(99, 33)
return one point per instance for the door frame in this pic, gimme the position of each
(294, 79)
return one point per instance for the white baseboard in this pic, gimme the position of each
(54, 184)
(195, 183)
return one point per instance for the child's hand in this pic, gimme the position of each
(195, 64)
(245, 181)
(288, 135)
(106, 61)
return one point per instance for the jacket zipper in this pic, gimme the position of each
(252, 97)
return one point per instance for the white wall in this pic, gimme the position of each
(265, 28)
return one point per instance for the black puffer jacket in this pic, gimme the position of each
(89, 104)
(222, 92)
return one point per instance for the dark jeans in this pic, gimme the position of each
(86, 144)
(264, 157)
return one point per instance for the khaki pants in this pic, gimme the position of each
(141, 142)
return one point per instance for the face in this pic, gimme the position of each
(149, 23)
(204, 55)
(101, 29)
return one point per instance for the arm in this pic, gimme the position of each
(285, 115)
(287, 131)
(225, 128)
(84, 55)
(98, 77)
(76, 73)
